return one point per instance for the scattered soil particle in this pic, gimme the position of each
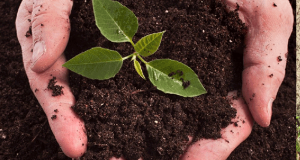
(179, 72)
(237, 7)
(274, 4)
(29, 32)
(56, 89)
(171, 74)
(271, 75)
(279, 58)
(185, 84)
(236, 124)
(53, 117)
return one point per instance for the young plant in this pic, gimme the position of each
(119, 24)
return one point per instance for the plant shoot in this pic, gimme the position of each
(119, 24)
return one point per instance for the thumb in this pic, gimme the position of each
(50, 31)
(270, 24)
(66, 126)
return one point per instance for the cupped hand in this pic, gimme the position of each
(270, 23)
(43, 29)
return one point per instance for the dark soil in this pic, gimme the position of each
(56, 89)
(126, 115)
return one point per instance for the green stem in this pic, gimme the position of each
(142, 59)
(131, 43)
(124, 58)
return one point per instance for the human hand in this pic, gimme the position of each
(270, 24)
(43, 29)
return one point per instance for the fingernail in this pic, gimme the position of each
(38, 51)
(269, 110)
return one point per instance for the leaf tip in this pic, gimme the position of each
(65, 64)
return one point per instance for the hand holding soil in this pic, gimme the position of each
(270, 24)
(43, 31)
(269, 27)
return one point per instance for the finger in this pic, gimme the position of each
(50, 29)
(270, 24)
(66, 126)
(23, 27)
(265, 59)
(68, 129)
(232, 136)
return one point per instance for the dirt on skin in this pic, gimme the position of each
(126, 115)
(57, 90)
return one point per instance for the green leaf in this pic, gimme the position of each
(96, 63)
(138, 68)
(159, 74)
(116, 22)
(148, 44)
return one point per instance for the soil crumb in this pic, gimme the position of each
(56, 89)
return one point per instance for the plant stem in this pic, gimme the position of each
(142, 59)
(131, 43)
(124, 58)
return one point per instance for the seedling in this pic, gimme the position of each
(119, 24)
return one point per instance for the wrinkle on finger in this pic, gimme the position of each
(51, 29)
(23, 24)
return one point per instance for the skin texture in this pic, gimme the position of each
(270, 24)
(50, 34)
(269, 28)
